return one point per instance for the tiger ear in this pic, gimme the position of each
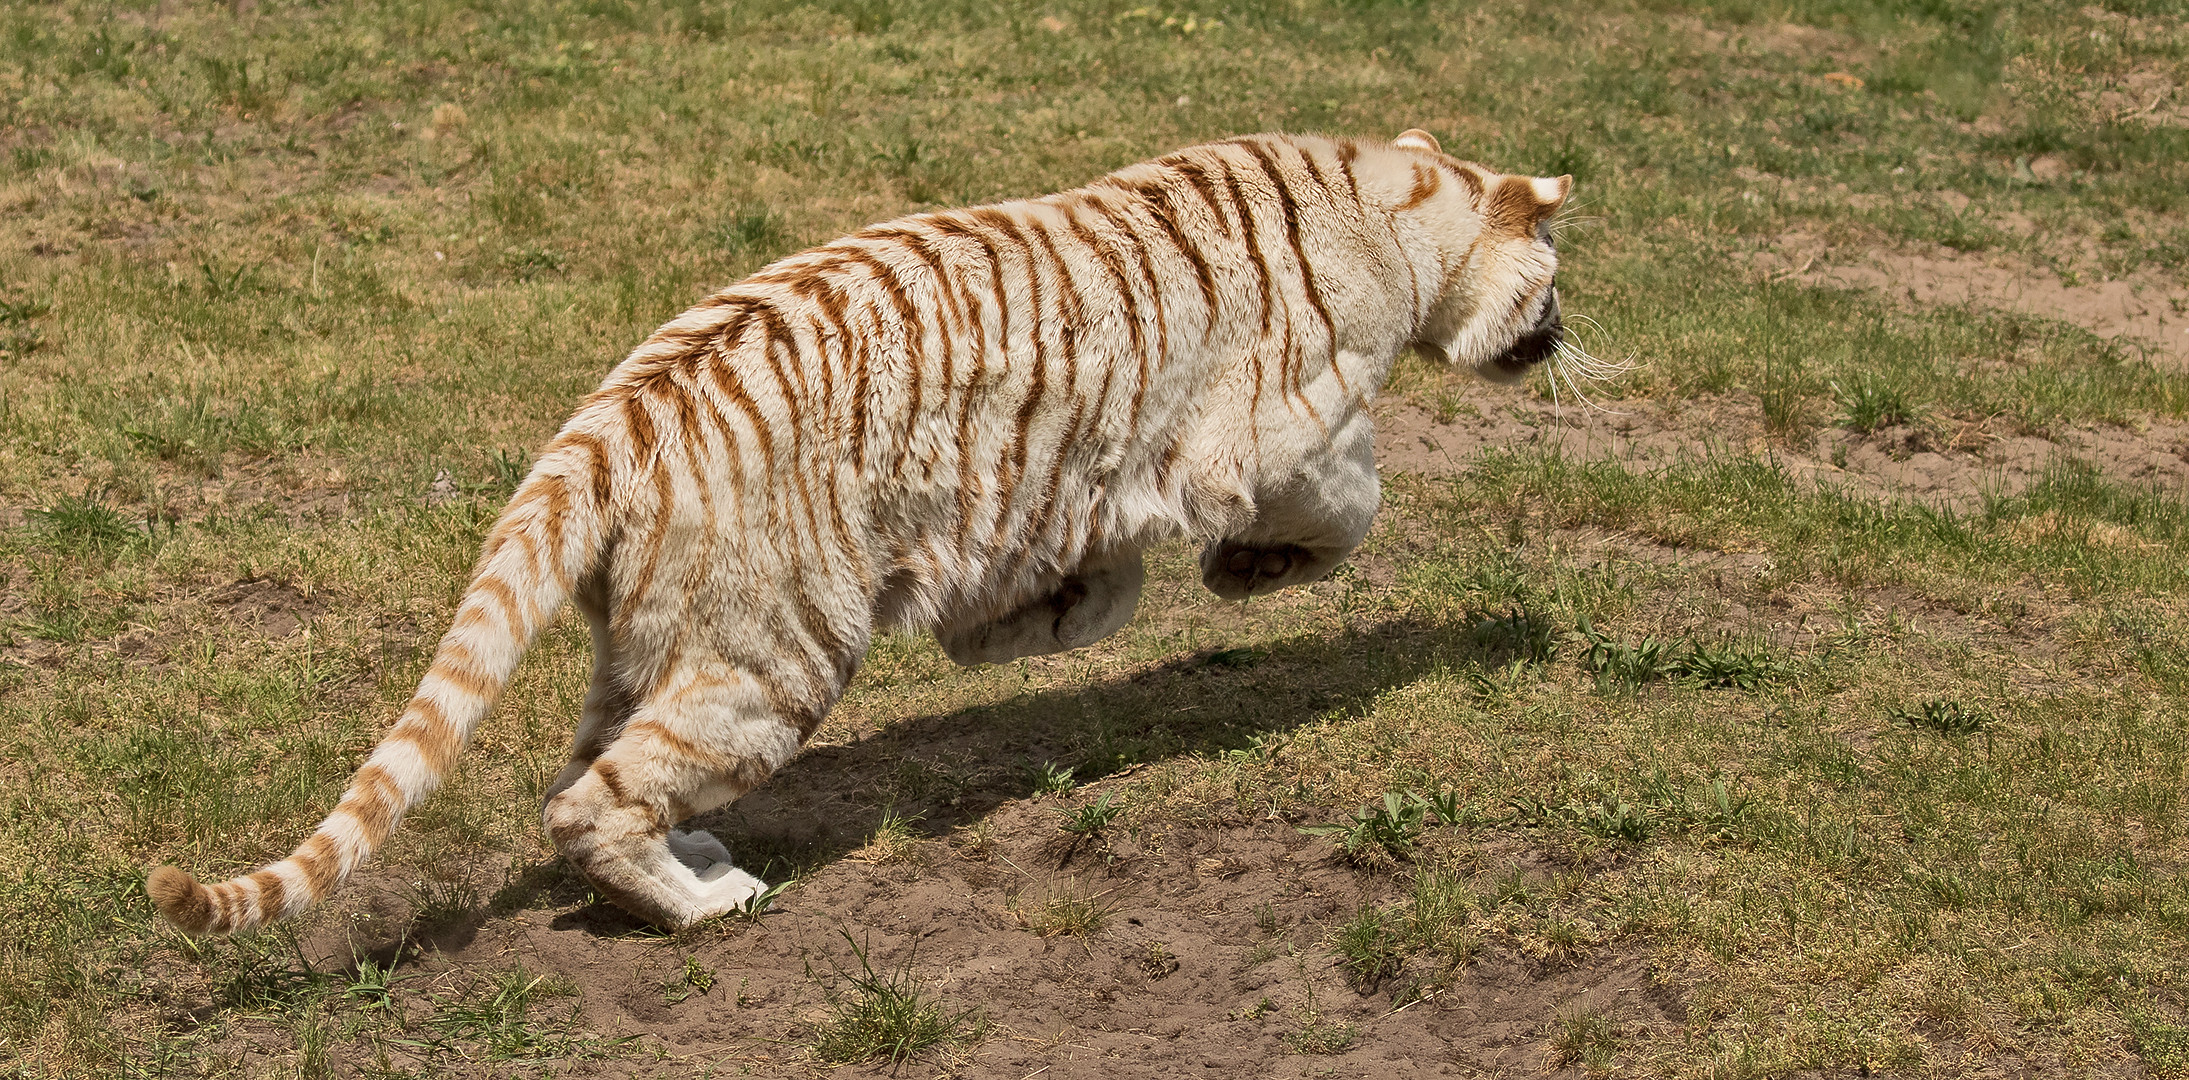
(1417, 139)
(1520, 203)
(1551, 193)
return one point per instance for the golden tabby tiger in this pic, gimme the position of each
(970, 421)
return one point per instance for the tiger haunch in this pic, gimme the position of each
(970, 422)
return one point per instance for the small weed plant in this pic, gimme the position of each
(1584, 1037)
(1622, 667)
(1065, 912)
(1368, 948)
(1868, 404)
(501, 1015)
(1050, 778)
(1314, 1032)
(693, 978)
(896, 839)
(1085, 821)
(1395, 825)
(885, 1016)
(1941, 716)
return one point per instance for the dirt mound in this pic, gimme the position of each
(274, 609)
(1212, 959)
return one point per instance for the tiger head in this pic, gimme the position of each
(1498, 312)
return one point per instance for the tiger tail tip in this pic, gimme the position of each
(184, 903)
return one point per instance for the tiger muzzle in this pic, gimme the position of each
(1535, 345)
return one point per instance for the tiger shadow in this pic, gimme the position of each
(940, 772)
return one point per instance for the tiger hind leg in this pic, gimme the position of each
(1090, 604)
(704, 740)
(607, 703)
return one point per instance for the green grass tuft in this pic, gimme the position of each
(886, 1016)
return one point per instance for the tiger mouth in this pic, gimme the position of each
(1535, 344)
(1532, 348)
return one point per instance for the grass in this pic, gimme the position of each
(896, 840)
(1066, 911)
(1878, 783)
(693, 978)
(886, 1016)
(1584, 1037)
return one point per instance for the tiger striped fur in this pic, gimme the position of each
(969, 421)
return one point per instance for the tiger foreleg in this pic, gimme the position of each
(1089, 605)
(1304, 527)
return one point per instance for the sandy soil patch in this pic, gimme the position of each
(1894, 462)
(2144, 311)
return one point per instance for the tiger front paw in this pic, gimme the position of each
(1239, 571)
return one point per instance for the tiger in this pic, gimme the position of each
(970, 422)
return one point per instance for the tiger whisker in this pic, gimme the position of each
(1575, 350)
(1563, 367)
(1564, 225)
(1573, 362)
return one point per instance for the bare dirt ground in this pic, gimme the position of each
(1953, 468)
(2147, 312)
(1212, 958)
(1212, 965)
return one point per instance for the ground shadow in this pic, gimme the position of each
(948, 770)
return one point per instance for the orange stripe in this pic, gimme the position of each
(600, 469)
(426, 710)
(726, 381)
(663, 512)
(1425, 185)
(558, 516)
(1348, 150)
(1139, 258)
(1299, 255)
(374, 800)
(1007, 479)
(1253, 241)
(494, 588)
(1262, 285)
(639, 423)
(1197, 177)
(967, 473)
(830, 301)
(1473, 180)
(674, 743)
(457, 665)
(435, 748)
(321, 864)
(1139, 348)
(916, 339)
(1157, 197)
